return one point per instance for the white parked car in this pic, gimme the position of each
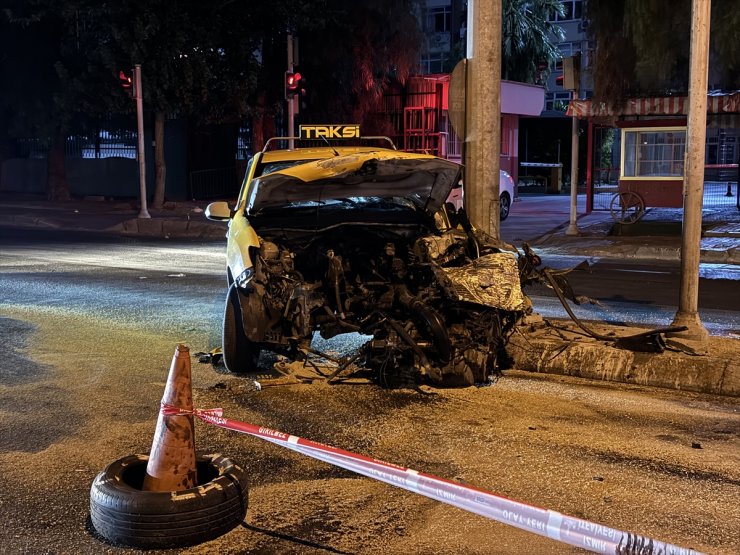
(506, 194)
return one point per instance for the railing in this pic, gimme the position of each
(215, 183)
(119, 143)
(718, 193)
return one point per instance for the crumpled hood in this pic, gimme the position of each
(423, 179)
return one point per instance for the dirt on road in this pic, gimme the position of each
(74, 397)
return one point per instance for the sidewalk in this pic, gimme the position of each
(657, 236)
(176, 220)
(562, 349)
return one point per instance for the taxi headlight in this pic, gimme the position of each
(245, 277)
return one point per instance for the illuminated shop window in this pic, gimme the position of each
(653, 152)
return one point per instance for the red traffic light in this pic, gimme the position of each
(127, 82)
(292, 83)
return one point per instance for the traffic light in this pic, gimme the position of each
(303, 93)
(127, 82)
(292, 84)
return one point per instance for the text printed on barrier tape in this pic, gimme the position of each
(573, 531)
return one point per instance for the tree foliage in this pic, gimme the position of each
(528, 38)
(354, 53)
(214, 62)
(195, 57)
(642, 47)
(528, 41)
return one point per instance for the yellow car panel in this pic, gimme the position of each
(240, 238)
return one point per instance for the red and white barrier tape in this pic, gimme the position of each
(573, 531)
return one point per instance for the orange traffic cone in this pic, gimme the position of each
(171, 465)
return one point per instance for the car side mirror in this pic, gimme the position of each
(219, 211)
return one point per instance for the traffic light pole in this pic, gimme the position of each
(573, 225)
(291, 99)
(143, 212)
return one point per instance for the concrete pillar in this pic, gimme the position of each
(483, 115)
(693, 181)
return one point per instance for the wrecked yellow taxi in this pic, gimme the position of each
(339, 239)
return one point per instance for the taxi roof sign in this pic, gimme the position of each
(329, 131)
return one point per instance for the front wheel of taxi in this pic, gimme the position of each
(240, 354)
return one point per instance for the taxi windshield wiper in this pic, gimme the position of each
(334, 150)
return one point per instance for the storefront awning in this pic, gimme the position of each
(725, 103)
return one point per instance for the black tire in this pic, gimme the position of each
(123, 514)
(505, 205)
(240, 354)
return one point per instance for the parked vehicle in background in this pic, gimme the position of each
(506, 195)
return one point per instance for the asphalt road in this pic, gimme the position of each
(90, 328)
(628, 291)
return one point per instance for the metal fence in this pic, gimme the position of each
(216, 183)
(717, 194)
(105, 143)
(30, 148)
(244, 143)
(720, 194)
(119, 143)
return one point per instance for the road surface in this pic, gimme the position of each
(90, 328)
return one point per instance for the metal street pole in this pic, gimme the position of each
(291, 99)
(693, 181)
(143, 212)
(573, 225)
(483, 118)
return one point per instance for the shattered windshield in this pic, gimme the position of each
(407, 184)
(345, 203)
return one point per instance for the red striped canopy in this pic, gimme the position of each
(727, 103)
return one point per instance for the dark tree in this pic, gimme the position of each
(642, 47)
(528, 38)
(353, 54)
(52, 87)
(198, 60)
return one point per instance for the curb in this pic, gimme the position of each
(168, 229)
(710, 256)
(717, 373)
(134, 227)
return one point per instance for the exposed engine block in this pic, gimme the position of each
(431, 308)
